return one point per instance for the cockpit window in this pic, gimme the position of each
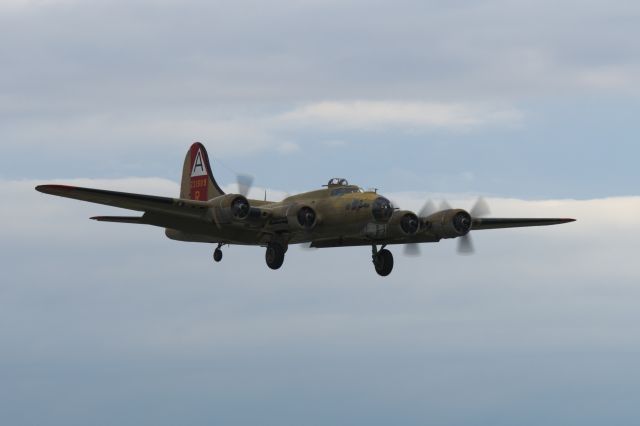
(341, 191)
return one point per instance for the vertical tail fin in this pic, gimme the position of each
(198, 182)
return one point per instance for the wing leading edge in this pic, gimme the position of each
(499, 223)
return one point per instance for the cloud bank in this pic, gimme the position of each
(372, 115)
(117, 313)
(104, 323)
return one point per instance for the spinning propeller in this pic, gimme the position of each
(465, 243)
(244, 183)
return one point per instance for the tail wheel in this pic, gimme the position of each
(383, 262)
(274, 255)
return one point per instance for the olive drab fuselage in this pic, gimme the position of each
(343, 213)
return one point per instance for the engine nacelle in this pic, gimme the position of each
(403, 223)
(229, 208)
(449, 223)
(302, 217)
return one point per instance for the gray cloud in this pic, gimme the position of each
(253, 132)
(104, 324)
(113, 314)
(122, 77)
(72, 55)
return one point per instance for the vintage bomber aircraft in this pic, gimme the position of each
(337, 216)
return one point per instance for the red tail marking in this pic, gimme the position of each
(199, 177)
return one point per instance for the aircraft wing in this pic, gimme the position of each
(493, 223)
(478, 224)
(125, 200)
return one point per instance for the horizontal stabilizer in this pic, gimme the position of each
(120, 219)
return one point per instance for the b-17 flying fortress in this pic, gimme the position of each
(338, 215)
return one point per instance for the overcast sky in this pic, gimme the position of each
(533, 104)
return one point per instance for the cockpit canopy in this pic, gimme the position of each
(337, 182)
(340, 186)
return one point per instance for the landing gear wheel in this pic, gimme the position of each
(383, 262)
(217, 255)
(274, 255)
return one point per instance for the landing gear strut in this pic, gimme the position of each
(382, 260)
(217, 253)
(275, 255)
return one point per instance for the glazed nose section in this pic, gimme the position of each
(382, 209)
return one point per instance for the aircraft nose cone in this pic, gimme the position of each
(382, 209)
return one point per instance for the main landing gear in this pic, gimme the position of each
(382, 260)
(275, 255)
(217, 253)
